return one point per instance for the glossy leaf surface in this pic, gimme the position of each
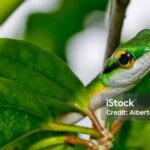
(32, 82)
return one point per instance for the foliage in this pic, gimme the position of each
(33, 90)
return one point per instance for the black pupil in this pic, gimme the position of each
(124, 58)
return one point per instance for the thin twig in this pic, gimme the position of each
(96, 123)
(117, 15)
(76, 140)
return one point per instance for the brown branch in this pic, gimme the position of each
(78, 141)
(96, 123)
(117, 15)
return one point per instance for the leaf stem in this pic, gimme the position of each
(71, 128)
(48, 142)
(95, 121)
(62, 140)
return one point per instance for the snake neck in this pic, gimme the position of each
(96, 88)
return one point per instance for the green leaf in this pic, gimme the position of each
(7, 8)
(52, 30)
(133, 136)
(138, 135)
(32, 82)
(40, 72)
(20, 112)
(14, 124)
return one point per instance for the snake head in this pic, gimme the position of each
(129, 63)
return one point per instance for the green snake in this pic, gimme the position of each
(124, 70)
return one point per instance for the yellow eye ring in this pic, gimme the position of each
(125, 59)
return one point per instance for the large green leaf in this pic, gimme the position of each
(52, 30)
(40, 72)
(7, 8)
(32, 82)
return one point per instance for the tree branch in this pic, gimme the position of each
(117, 15)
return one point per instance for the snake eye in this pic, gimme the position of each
(125, 59)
